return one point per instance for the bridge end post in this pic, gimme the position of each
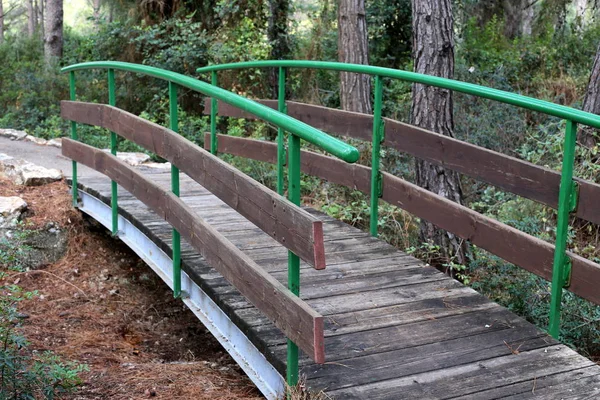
(213, 116)
(74, 136)
(112, 100)
(567, 203)
(375, 157)
(176, 243)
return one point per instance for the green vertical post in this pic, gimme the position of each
(112, 100)
(293, 260)
(74, 137)
(213, 116)
(567, 202)
(280, 132)
(176, 245)
(375, 173)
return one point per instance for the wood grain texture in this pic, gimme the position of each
(287, 223)
(354, 176)
(330, 120)
(290, 314)
(508, 173)
(526, 251)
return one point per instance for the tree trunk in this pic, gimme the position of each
(432, 109)
(40, 16)
(591, 103)
(53, 40)
(30, 18)
(96, 13)
(355, 89)
(1, 23)
(278, 37)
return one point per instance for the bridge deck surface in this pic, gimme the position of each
(395, 328)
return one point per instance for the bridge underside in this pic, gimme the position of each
(394, 328)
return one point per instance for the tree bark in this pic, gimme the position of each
(591, 103)
(353, 47)
(96, 13)
(30, 18)
(1, 23)
(278, 37)
(40, 16)
(53, 40)
(432, 109)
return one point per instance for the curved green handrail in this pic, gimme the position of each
(502, 96)
(326, 142)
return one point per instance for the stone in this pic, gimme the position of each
(133, 159)
(13, 134)
(157, 165)
(36, 140)
(11, 209)
(54, 142)
(23, 172)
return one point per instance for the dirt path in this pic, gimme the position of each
(101, 305)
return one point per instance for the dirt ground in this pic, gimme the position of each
(102, 306)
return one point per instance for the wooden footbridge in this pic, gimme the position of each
(372, 322)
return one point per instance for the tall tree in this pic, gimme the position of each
(31, 15)
(1, 23)
(41, 6)
(277, 32)
(432, 108)
(53, 38)
(353, 47)
(591, 103)
(96, 4)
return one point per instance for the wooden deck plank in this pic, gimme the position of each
(393, 328)
(472, 378)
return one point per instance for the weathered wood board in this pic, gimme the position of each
(275, 215)
(290, 314)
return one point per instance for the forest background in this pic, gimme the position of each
(539, 48)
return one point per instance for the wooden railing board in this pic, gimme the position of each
(530, 253)
(354, 176)
(338, 122)
(508, 173)
(289, 313)
(505, 172)
(526, 251)
(291, 226)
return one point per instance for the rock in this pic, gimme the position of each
(54, 142)
(34, 249)
(13, 134)
(36, 140)
(11, 209)
(133, 159)
(25, 173)
(157, 165)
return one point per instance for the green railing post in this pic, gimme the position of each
(567, 203)
(112, 100)
(293, 260)
(213, 116)
(377, 139)
(176, 245)
(74, 137)
(281, 107)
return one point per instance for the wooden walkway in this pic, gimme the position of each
(394, 328)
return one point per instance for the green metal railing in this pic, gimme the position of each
(298, 130)
(567, 202)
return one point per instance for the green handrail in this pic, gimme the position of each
(297, 130)
(567, 202)
(306, 132)
(502, 96)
